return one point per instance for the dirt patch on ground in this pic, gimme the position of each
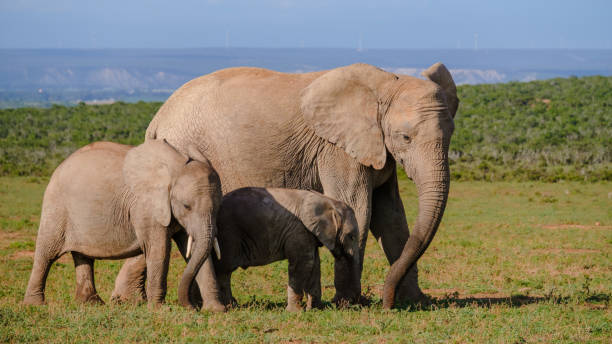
(566, 250)
(6, 236)
(66, 258)
(570, 226)
(22, 255)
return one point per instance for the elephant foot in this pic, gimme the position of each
(156, 304)
(292, 307)
(133, 296)
(134, 299)
(230, 303)
(408, 290)
(34, 300)
(92, 300)
(214, 307)
(343, 301)
(314, 305)
(410, 293)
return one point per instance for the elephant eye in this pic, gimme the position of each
(407, 138)
(188, 207)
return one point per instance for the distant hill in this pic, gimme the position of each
(40, 77)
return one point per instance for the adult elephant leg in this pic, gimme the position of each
(390, 228)
(205, 292)
(85, 285)
(130, 283)
(346, 180)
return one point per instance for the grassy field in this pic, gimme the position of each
(511, 263)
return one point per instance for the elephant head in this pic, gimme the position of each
(169, 184)
(335, 226)
(371, 113)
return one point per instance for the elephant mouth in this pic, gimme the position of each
(216, 247)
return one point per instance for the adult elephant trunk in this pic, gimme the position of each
(202, 243)
(432, 181)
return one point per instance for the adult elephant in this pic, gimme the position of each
(340, 132)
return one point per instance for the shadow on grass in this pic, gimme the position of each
(601, 301)
(514, 301)
(448, 301)
(262, 304)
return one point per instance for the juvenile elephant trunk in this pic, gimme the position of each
(201, 250)
(432, 184)
(347, 279)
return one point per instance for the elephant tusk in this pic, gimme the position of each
(189, 245)
(217, 249)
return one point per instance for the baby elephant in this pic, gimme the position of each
(112, 201)
(259, 226)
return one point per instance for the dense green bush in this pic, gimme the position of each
(33, 141)
(542, 130)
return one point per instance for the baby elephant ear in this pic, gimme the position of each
(322, 220)
(147, 175)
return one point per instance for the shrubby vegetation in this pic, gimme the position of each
(33, 141)
(542, 130)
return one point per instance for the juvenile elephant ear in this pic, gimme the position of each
(342, 106)
(322, 219)
(148, 171)
(439, 74)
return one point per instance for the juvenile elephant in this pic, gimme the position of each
(341, 132)
(112, 201)
(259, 226)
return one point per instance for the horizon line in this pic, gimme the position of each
(310, 48)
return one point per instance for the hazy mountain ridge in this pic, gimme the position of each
(40, 77)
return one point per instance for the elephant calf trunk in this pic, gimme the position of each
(199, 253)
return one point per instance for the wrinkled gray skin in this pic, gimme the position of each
(112, 201)
(259, 226)
(340, 132)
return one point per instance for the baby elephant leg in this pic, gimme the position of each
(85, 285)
(313, 286)
(300, 272)
(225, 289)
(158, 258)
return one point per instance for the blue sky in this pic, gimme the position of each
(422, 24)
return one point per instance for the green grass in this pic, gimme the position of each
(511, 263)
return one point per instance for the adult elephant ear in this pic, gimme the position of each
(439, 74)
(342, 106)
(148, 171)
